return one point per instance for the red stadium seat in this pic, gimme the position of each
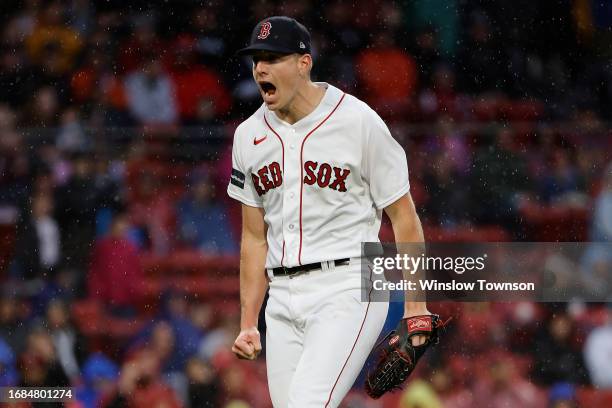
(171, 177)
(88, 315)
(189, 262)
(486, 109)
(556, 223)
(7, 245)
(522, 110)
(123, 329)
(95, 323)
(590, 397)
(200, 287)
(492, 233)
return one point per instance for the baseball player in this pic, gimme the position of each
(314, 168)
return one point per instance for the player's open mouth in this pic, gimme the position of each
(268, 88)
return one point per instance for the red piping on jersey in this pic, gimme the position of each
(283, 169)
(302, 169)
(354, 344)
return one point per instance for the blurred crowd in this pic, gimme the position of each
(119, 248)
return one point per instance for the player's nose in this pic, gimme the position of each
(260, 67)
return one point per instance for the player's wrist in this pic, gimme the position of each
(415, 309)
(249, 326)
(249, 318)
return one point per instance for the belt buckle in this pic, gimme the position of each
(295, 274)
(289, 274)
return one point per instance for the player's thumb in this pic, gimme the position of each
(256, 344)
(252, 337)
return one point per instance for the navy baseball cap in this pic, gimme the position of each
(278, 34)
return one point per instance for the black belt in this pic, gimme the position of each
(282, 271)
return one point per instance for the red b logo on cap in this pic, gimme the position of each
(264, 32)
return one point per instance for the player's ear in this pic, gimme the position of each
(305, 65)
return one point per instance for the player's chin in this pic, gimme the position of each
(272, 105)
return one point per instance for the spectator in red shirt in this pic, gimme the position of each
(387, 74)
(151, 212)
(195, 84)
(115, 273)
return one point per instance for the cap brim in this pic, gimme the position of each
(252, 49)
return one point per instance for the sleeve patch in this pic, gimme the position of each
(237, 178)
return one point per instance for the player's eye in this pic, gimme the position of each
(269, 58)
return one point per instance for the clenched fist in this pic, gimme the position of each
(248, 344)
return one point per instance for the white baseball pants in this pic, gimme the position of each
(319, 334)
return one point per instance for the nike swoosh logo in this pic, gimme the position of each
(257, 141)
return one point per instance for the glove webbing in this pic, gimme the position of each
(396, 368)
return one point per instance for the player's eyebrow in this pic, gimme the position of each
(267, 56)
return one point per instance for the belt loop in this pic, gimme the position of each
(325, 266)
(331, 265)
(270, 274)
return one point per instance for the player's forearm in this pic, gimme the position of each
(407, 228)
(253, 282)
(411, 232)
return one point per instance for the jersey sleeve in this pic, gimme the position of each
(385, 163)
(240, 185)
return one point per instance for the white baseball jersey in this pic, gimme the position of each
(322, 181)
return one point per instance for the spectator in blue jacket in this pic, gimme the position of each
(202, 219)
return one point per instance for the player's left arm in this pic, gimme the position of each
(407, 228)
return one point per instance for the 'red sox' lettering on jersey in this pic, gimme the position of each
(270, 177)
(267, 178)
(322, 175)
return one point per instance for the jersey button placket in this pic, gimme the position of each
(290, 202)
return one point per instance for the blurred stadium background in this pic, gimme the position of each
(118, 248)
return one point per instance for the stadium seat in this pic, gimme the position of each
(591, 397)
(200, 287)
(88, 315)
(522, 110)
(555, 223)
(189, 262)
(7, 238)
(492, 233)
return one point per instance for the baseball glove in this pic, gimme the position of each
(397, 356)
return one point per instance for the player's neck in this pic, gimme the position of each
(305, 101)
